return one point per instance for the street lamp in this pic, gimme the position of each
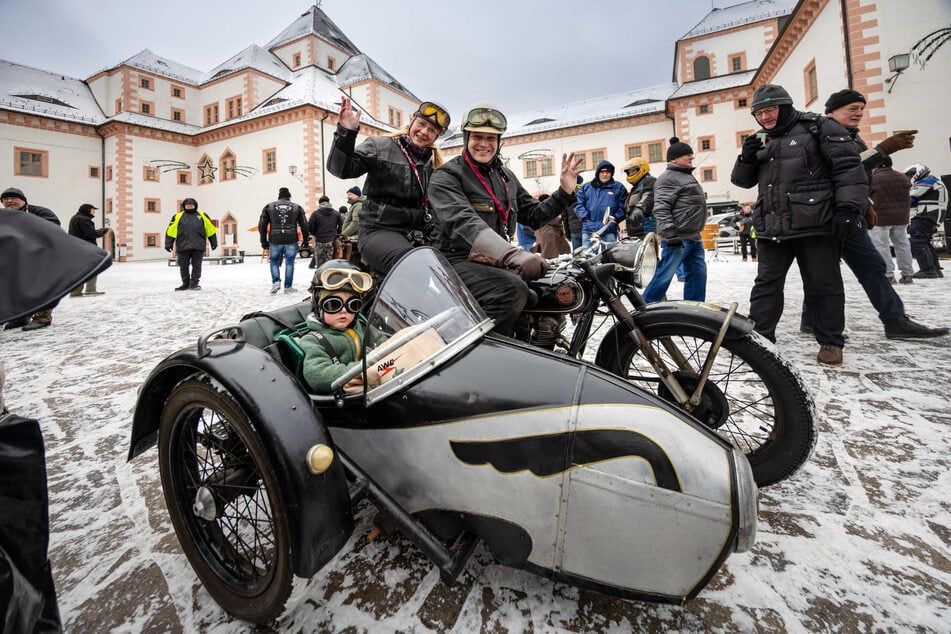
(897, 64)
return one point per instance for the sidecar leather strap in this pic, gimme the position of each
(327, 347)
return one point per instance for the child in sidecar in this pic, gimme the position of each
(332, 344)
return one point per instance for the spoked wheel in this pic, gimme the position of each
(224, 501)
(751, 398)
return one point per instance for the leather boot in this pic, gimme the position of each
(41, 319)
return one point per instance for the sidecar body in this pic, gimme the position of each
(557, 466)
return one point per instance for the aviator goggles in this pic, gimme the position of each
(486, 117)
(333, 305)
(435, 113)
(332, 279)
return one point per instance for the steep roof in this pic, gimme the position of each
(740, 14)
(361, 68)
(256, 58)
(314, 22)
(147, 60)
(30, 90)
(713, 84)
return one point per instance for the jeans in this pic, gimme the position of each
(575, 238)
(609, 235)
(695, 267)
(898, 235)
(860, 255)
(289, 251)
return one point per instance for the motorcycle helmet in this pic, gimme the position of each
(636, 169)
(335, 275)
(916, 172)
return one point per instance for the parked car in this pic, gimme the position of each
(725, 221)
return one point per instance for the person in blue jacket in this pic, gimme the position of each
(600, 194)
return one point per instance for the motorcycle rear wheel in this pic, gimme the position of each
(752, 398)
(224, 501)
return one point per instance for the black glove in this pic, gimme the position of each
(674, 243)
(530, 266)
(751, 146)
(846, 223)
(169, 249)
(265, 245)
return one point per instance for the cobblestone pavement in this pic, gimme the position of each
(858, 540)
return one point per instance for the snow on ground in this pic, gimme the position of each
(858, 540)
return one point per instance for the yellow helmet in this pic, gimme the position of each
(636, 169)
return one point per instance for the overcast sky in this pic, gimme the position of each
(518, 54)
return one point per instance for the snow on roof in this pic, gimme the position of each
(315, 22)
(361, 68)
(618, 106)
(740, 14)
(252, 57)
(713, 84)
(30, 90)
(147, 60)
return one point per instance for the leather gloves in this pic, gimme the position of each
(530, 266)
(492, 249)
(674, 243)
(902, 141)
(751, 146)
(846, 223)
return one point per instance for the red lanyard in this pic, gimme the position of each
(495, 199)
(415, 173)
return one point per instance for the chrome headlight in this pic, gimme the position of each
(638, 255)
(747, 502)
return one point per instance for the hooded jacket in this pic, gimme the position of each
(594, 197)
(82, 226)
(189, 229)
(808, 171)
(325, 223)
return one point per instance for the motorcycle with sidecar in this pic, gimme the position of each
(459, 437)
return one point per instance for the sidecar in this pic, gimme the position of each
(458, 437)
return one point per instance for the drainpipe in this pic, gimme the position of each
(323, 158)
(102, 190)
(848, 43)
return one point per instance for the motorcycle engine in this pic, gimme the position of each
(539, 330)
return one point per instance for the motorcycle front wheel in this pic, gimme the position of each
(752, 398)
(224, 501)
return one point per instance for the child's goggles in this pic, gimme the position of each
(332, 279)
(333, 305)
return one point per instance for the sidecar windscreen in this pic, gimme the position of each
(421, 316)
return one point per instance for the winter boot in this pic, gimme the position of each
(829, 355)
(17, 323)
(41, 319)
(91, 288)
(905, 328)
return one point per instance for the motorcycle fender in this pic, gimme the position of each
(320, 514)
(707, 316)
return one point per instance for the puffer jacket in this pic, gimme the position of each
(889, 192)
(393, 197)
(463, 208)
(805, 178)
(679, 205)
(594, 197)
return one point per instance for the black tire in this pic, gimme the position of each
(752, 398)
(240, 547)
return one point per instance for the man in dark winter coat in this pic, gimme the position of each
(14, 199)
(847, 108)
(278, 227)
(640, 201)
(812, 193)
(476, 202)
(324, 224)
(188, 231)
(81, 226)
(680, 209)
(602, 194)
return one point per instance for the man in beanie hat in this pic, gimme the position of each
(13, 199)
(278, 227)
(324, 223)
(81, 226)
(812, 192)
(351, 222)
(858, 251)
(680, 209)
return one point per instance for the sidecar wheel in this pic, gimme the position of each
(224, 501)
(752, 398)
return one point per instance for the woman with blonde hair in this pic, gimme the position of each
(398, 167)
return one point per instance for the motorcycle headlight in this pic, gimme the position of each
(747, 502)
(637, 254)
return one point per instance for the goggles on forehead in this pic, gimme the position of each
(332, 279)
(333, 305)
(435, 113)
(486, 117)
